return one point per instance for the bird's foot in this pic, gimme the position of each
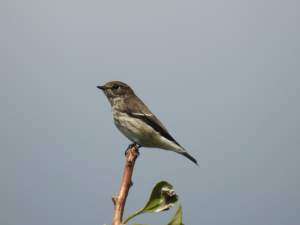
(131, 146)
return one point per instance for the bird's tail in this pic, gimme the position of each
(177, 148)
(189, 157)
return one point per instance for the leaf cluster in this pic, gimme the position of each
(162, 198)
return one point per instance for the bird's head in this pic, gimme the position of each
(115, 90)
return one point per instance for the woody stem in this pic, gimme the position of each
(120, 199)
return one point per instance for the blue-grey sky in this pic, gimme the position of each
(222, 76)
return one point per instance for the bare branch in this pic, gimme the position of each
(120, 199)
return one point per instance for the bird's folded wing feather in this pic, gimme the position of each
(140, 111)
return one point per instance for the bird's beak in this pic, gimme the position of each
(101, 87)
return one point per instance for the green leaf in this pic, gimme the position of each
(162, 198)
(177, 218)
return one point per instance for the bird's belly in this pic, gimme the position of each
(144, 135)
(137, 131)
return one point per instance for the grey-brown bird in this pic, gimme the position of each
(133, 118)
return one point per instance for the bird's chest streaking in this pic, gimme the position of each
(135, 129)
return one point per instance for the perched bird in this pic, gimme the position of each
(136, 121)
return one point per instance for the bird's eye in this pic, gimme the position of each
(116, 86)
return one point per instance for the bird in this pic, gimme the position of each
(133, 119)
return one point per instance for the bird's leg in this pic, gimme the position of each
(130, 147)
(139, 146)
(137, 151)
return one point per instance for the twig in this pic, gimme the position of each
(120, 199)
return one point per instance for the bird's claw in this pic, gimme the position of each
(130, 148)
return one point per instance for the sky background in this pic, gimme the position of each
(222, 76)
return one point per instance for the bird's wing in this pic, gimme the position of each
(137, 109)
